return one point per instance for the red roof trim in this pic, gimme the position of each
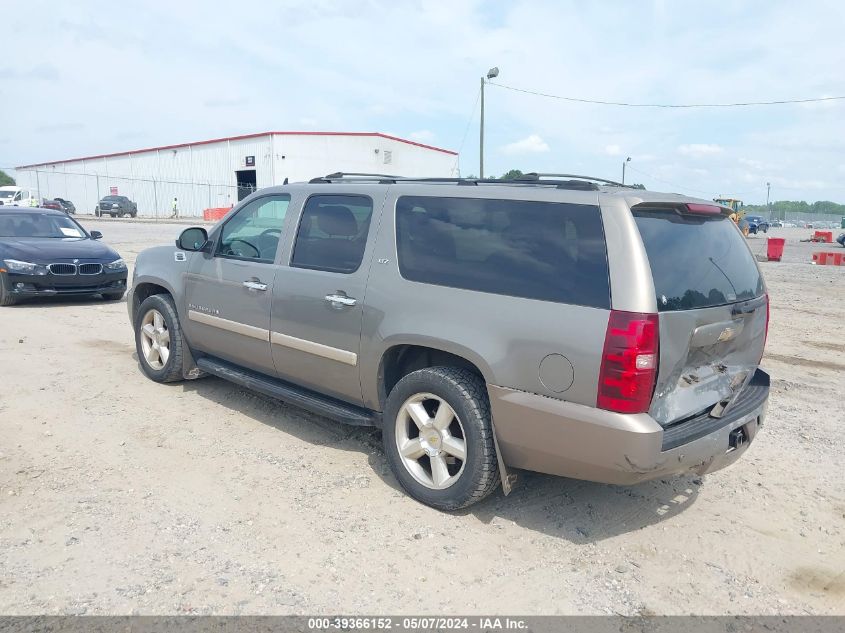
(241, 137)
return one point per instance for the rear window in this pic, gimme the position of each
(697, 261)
(537, 250)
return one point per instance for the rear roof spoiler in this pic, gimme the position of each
(684, 208)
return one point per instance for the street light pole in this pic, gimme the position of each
(627, 160)
(493, 72)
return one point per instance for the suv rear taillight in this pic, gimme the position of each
(629, 362)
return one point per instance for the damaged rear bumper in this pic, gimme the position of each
(561, 438)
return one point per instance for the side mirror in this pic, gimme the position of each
(96, 235)
(192, 239)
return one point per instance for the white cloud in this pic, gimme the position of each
(532, 144)
(424, 136)
(697, 150)
(797, 184)
(464, 38)
(751, 163)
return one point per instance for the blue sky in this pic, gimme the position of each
(90, 77)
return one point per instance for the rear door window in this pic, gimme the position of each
(697, 261)
(332, 233)
(538, 250)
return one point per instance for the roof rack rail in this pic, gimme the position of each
(582, 183)
(534, 177)
(341, 175)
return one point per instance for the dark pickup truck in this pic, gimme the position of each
(116, 206)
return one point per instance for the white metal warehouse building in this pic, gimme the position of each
(220, 172)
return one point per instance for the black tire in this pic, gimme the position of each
(113, 215)
(6, 297)
(134, 214)
(466, 393)
(172, 369)
(113, 296)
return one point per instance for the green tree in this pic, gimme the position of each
(5, 179)
(638, 185)
(513, 174)
(780, 208)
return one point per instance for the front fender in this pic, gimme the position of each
(160, 266)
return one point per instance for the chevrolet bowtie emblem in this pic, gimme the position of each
(727, 334)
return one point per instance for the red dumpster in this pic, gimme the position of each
(774, 248)
(823, 236)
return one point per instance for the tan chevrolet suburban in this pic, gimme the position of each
(555, 323)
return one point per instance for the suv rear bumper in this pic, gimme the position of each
(571, 440)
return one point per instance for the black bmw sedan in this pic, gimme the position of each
(47, 253)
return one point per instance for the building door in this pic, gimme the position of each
(247, 182)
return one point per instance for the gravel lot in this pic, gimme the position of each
(119, 495)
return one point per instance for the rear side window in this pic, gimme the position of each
(333, 233)
(538, 250)
(697, 261)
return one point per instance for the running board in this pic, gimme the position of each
(292, 394)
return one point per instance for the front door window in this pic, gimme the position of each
(253, 233)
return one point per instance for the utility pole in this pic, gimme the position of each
(627, 160)
(481, 136)
(768, 190)
(493, 72)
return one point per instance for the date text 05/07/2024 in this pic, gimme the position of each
(411, 623)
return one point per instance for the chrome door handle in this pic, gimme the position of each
(341, 300)
(255, 285)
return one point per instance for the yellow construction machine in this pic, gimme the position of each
(737, 208)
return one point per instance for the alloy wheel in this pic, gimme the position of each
(155, 339)
(431, 441)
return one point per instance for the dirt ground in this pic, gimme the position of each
(119, 495)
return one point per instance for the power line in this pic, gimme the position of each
(466, 131)
(667, 105)
(666, 182)
(701, 191)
